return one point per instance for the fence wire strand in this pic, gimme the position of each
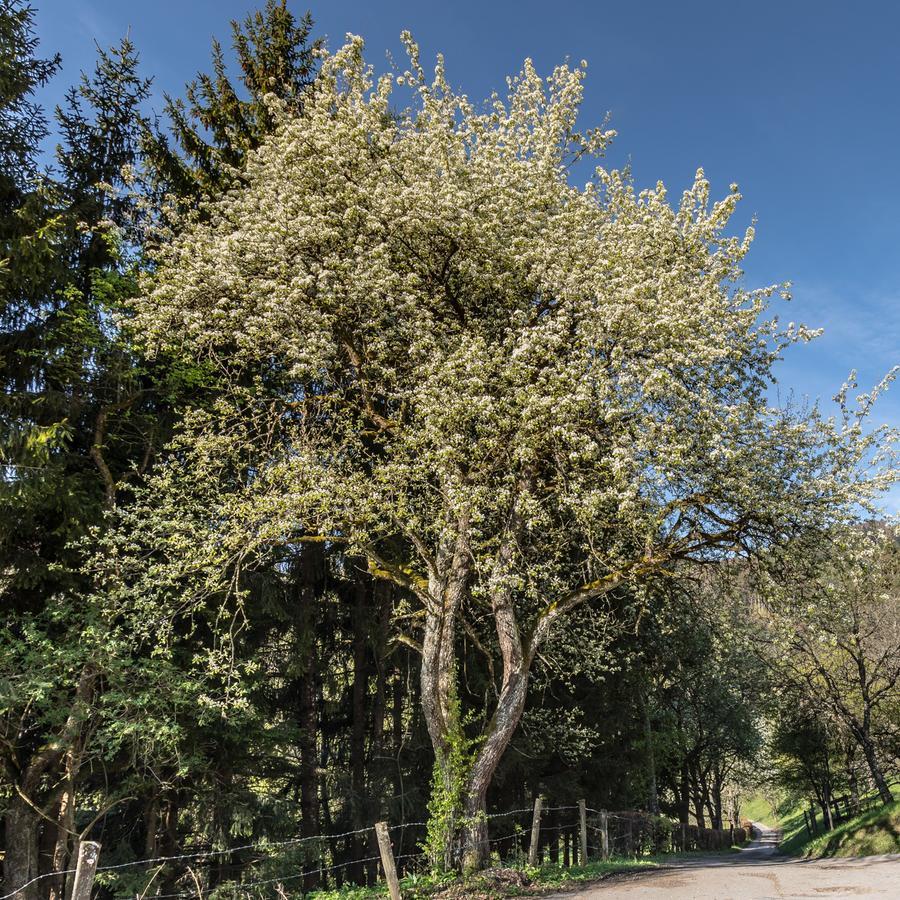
(37, 878)
(633, 839)
(293, 842)
(251, 884)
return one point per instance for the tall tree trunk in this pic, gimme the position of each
(652, 792)
(871, 755)
(20, 864)
(310, 574)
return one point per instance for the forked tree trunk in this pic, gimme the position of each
(449, 571)
(474, 850)
(467, 846)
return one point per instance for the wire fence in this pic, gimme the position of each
(563, 835)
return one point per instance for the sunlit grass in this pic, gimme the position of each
(874, 832)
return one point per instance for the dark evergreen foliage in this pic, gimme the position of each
(222, 118)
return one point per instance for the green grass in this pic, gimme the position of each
(793, 830)
(874, 832)
(552, 877)
(760, 807)
(778, 812)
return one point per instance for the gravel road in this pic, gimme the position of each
(756, 873)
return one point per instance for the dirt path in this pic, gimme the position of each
(756, 873)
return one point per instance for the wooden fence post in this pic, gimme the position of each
(85, 869)
(387, 859)
(582, 820)
(604, 834)
(535, 844)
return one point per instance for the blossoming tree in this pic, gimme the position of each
(510, 395)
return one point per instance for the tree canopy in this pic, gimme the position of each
(511, 395)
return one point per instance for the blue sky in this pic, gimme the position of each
(797, 101)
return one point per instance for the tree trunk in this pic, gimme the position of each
(853, 782)
(20, 865)
(868, 749)
(473, 847)
(717, 804)
(356, 871)
(697, 794)
(826, 806)
(170, 845)
(684, 795)
(652, 792)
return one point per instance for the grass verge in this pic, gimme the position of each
(874, 832)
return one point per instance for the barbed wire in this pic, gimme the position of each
(408, 825)
(267, 849)
(511, 812)
(250, 884)
(37, 878)
(506, 837)
(254, 846)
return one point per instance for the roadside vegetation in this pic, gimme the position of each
(871, 833)
(874, 831)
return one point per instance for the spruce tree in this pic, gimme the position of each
(62, 365)
(22, 123)
(223, 118)
(73, 425)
